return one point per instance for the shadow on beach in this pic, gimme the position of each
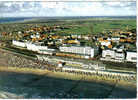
(43, 86)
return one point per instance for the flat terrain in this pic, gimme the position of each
(75, 25)
(20, 78)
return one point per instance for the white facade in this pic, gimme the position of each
(18, 43)
(119, 56)
(131, 56)
(105, 43)
(111, 54)
(49, 52)
(79, 50)
(108, 54)
(34, 47)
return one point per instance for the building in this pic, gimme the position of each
(108, 54)
(131, 56)
(88, 51)
(19, 43)
(46, 51)
(113, 55)
(35, 47)
(119, 55)
(105, 43)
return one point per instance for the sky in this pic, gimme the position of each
(48, 9)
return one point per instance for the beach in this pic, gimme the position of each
(46, 84)
(22, 78)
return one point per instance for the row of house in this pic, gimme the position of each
(33, 47)
(113, 55)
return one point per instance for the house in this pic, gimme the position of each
(115, 39)
(104, 42)
(37, 35)
(131, 56)
(108, 54)
(35, 47)
(112, 54)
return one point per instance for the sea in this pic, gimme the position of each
(30, 86)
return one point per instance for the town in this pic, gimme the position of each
(113, 45)
(65, 49)
(83, 51)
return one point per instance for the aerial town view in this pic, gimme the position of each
(57, 50)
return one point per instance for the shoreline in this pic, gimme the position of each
(65, 75)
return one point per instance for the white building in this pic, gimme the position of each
(106, 43)
(111, 54)
(131, 56)
(80, 50)
(35, 47)
(108, 54)
(119, 55)
(18, 43)
(46, 51)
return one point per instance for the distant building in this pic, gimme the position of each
(37, 35)
(115, 39)
(105, 43)
(80, 50)
(131, 56)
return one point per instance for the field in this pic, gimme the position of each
(76, 25)
(97, 26)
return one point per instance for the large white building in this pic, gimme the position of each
(80, 50)
(35, 47)
(19, 43)
(131, 56)
(111, 54)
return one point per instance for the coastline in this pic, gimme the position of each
(43, 83)
(65, 75)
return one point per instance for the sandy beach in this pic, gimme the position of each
(64, 85)
(20, 78)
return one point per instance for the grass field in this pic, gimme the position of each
(97, 26)
(79, 25)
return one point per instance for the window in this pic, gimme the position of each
(108, 55)
(133, 58)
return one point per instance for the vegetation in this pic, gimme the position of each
(75, 26)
